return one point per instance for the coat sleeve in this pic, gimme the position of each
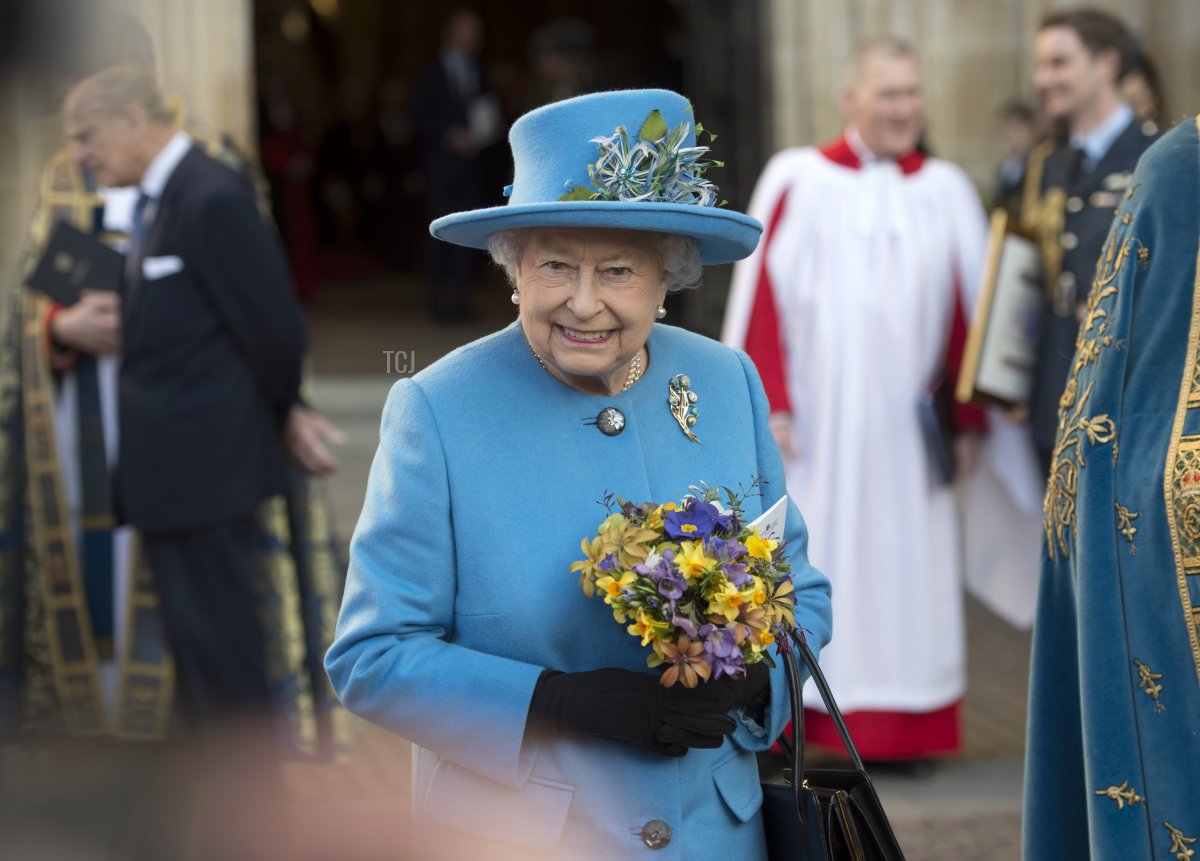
(814, 615)
(393, 660)
(242, 270)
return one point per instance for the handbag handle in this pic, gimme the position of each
(795, 686)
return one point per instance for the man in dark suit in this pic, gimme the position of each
(212, 342)
(1073, 185)
(455, 120)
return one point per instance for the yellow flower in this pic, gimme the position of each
(726, 602)
(613, 587)
(692, 560)
(757, 591)
(782, 605)
(760, 548)
(624, 540)
(588, 568)
(648, 628)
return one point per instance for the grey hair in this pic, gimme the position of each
(892, 47)
(679, 256)
(111, 91)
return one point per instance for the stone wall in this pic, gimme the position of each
(976, 55)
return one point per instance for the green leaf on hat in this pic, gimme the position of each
(579, 192)
(654, 127)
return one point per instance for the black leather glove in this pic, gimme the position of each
(625, 706)
(752, 692)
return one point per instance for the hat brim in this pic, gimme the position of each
(723, 236)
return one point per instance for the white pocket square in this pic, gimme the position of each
(160, 267)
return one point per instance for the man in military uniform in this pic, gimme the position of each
(1075, 182)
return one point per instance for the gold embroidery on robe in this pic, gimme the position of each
(1181, 478)
(1148, 681)
(1074, 427)
(1179, 843)
(1125, 519)
(1122, 794)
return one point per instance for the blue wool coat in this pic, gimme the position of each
(1113, 759)
(460, 594)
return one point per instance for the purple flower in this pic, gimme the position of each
(670, 584)
(721, 652)
(735, 573)
(686, 625)
(726, 522)
(609, 562)
(696, 521)
(735, 548)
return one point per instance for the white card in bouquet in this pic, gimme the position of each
(771, 522)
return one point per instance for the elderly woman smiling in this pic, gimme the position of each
(588, 297)
(538, 731)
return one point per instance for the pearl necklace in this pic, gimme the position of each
(634, 374)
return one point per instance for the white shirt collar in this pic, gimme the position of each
(1096, 143)
(155, 179)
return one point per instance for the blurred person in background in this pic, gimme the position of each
(211, 346)
(1017, 129)
(1142, 90)
(563, 62)
(455, 118)
(852, 308)
(1073, 184)
(73, 671)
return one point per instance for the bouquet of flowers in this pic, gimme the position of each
(704, 590)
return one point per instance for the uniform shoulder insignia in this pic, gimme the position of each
(1118, 181)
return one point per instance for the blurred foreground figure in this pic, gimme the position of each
(81, 644)
(852, 310)
(211, 349)
(1114, 707)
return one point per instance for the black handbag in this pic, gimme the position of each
(830, 814)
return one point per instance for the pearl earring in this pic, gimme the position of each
(660, 312)
(516, 297)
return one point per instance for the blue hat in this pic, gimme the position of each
(625, 159)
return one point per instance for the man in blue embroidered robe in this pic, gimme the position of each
(1114, 715)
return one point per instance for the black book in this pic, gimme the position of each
(936, 411)
(74, 261)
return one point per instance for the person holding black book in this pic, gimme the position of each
(853, 310)
(68, 672)
(211, 344)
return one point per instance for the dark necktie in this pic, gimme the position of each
(137, 236)
(1075, 169)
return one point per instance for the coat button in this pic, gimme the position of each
(1074, 204)
(656, 834)
(1069, 240)
(611, 421)
(1066, 280)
